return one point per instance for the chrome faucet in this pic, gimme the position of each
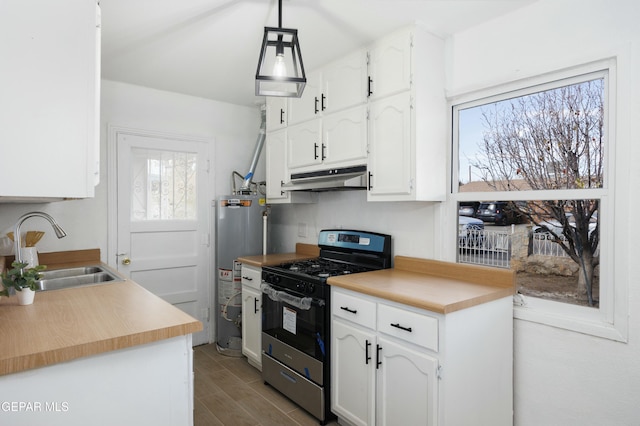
(16, 233)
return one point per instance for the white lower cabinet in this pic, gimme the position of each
(252, 315)
(407, 385)
(394, 364)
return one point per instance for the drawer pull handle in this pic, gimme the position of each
(351, 311)
(247, 278)
(401, 327)
(288, 377)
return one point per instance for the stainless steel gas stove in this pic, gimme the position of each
(296, 314)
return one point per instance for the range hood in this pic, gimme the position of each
(337, 179)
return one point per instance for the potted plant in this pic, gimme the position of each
(23, 279)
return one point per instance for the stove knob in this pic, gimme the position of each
(301, 286)
(311, 288)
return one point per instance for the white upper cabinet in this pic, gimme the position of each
(345, 137)
(276, 112)
(336, 140)
(335, 87)
(391, 170)
(390, 65)
(49, 107)
(408, 118)
(277, 174)
(309, 105)
(275, 165)
(304, 144)
(345, 83)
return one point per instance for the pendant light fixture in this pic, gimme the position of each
(280, 70)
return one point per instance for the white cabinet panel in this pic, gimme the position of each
(390, 65)
(353, 373)
(407, 390)
(309, 105)
(276, 113)
(345, 137)
(304, 144)
(390, 165)
(277, 173)
(276, 164)
(252, 325)
(344, 82)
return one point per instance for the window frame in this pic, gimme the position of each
(609, 319)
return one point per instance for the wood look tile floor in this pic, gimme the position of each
(229, 391)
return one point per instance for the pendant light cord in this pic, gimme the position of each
(279, 13)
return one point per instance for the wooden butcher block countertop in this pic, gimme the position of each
(303, 251)
(440, 287)
(66, 324)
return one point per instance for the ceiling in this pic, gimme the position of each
(210, 48)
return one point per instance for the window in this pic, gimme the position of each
(534, 161)
(163, 185)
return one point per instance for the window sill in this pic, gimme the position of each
(580, 319)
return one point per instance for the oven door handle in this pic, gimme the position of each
(276, 295)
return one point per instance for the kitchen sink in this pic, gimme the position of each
(75, 277)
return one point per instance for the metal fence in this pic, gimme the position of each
(485, 247)
(493, 247)
(542, 243)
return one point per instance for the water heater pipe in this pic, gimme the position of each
(256, 153)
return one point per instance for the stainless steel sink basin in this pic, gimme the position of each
(74, 277)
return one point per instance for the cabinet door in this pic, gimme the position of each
(344, 82)
(345, 137)
(308, 105)
(275, 158)
(390, 154)
(276, 111)
(353, 373)
(252, 325)
(390, 65)
(49, 83)
(304, 144)
(407, 386)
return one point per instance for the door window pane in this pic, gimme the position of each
(163, 185)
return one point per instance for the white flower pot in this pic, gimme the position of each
(25, 297)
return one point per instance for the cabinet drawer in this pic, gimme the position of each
(251, 277)
(354, 309)
(421, 330)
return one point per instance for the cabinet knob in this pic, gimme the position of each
(126, 261)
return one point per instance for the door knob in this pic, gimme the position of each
(126, 261)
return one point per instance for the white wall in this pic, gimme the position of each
(561, 377)
(233, 129)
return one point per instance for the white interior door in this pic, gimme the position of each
(162, 220)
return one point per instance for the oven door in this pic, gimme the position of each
(295, 320)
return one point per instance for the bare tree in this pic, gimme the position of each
(551, 140)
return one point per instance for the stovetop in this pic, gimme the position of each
(323, 268)
(341, 252)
